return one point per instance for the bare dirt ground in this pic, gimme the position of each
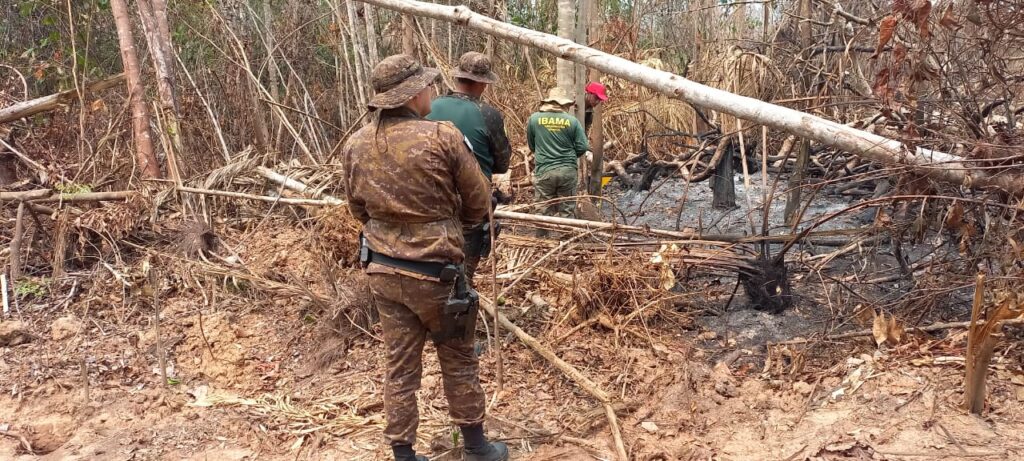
(271, 375)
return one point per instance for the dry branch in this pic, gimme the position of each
(34, 194)
(262, 198)
(40, 170)
(53, 101)
(936, 165)
(19, 230)
(591, 225)
(87, 197)
(570, 371)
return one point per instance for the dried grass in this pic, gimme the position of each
(336, 414)
(740, 72)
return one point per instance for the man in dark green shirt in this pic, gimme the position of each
(481, 123)
(557, 140)
(483, 126)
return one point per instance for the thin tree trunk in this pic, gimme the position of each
(564, 71)
(492, 11)
(408, 35)
(363, 66)
(145, 154)
(796, 181)
(159, 52)
(268, 38)
(593, 18)
(866, 145)
(581, 70)
(370, 16)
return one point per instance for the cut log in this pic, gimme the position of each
(935, 165)
(294, 185)
(53, 101)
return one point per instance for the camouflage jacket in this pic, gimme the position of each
(414, 183)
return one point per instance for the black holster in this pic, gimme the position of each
(458, 316)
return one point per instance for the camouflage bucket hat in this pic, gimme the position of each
(476, 67)
(397, 79)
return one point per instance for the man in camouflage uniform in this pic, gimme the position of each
(482, 124)
(414, 184)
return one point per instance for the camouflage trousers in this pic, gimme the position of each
(409, 309)
(558, 182)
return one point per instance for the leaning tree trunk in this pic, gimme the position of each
(160, 50)
(145, 155)
(566, 28)
(866, 145)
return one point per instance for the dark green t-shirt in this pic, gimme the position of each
(482, 124)
(556, 139)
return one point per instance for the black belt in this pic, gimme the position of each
(446, 272)
(430, 269)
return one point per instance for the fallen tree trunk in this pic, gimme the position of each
(815, 238)
(262, 198)
(936, 165)
(53, 101)
(593, 225)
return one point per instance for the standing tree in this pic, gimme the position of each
(796, 181)
(145, 155)
(370, 16)
(566, 29)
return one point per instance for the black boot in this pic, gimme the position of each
(479, 449)
(406, 453)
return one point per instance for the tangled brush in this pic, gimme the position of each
(115, 220)
(740, 72)
(336, 234)
(634, 112)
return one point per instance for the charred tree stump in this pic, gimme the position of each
(767, 285)
(723, 184)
